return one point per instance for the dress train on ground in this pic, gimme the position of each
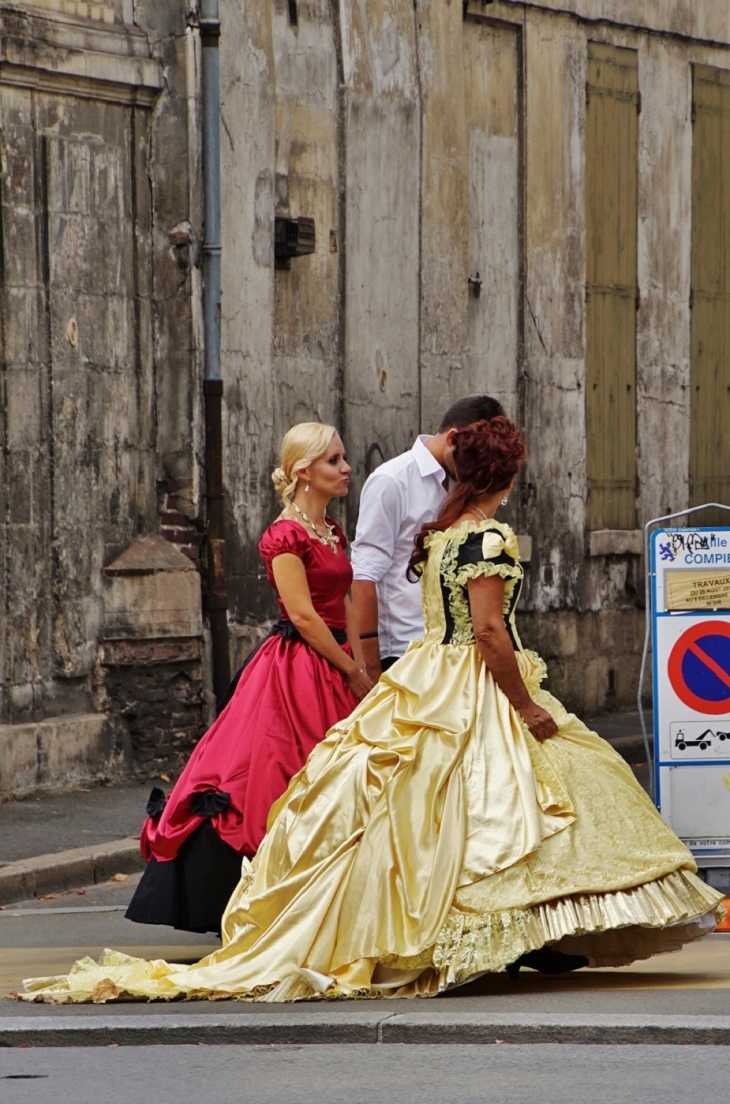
(430, 838)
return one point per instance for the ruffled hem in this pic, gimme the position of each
(611, 929)
(471, 944)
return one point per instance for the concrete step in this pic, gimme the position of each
(61, 751)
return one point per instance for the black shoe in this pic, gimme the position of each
(547, 961)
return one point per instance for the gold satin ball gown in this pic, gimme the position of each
(430, 838)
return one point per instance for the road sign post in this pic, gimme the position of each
(689, 613)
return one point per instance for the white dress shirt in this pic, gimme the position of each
(396, 500)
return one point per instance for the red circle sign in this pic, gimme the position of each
(699, 667)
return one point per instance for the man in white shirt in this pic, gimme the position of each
(397, 499)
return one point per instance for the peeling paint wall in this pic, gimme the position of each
(248, 160)
(440, 150)
(381, 212)
(78, 386)
(98, 368)
(444, 143)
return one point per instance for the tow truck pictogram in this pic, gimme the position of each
(702, 742)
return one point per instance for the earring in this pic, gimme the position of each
(505, 500)
(306, 487)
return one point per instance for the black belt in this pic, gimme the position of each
(288, 631)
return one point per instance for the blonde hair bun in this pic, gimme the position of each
(280, 481)
(303, 444)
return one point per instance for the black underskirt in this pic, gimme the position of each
(191, 891)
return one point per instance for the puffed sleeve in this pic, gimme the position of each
(285, 536)
(488, 552)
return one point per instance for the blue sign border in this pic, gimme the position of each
(655, 617)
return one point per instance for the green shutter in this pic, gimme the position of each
(611, 285)
(709, 466)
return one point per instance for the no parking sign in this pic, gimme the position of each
(690, 570)
(699, 667)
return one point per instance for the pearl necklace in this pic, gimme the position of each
(329, 538)
(481, 513)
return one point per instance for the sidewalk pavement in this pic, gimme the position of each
(681, 999)
(58, 841)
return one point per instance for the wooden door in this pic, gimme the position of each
(491, 56)
(611, 285)
(709, 467)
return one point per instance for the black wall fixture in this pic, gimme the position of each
(292, 238)
(465, 5)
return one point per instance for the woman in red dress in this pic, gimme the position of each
(307, 675)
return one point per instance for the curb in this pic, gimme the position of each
(286, 1028)
(82, 866)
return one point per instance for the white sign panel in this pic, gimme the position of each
(691, 654)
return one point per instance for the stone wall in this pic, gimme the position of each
(154, 688)
(149, 672)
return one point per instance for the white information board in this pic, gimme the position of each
(690, 571)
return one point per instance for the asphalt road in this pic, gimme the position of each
(345, 1074)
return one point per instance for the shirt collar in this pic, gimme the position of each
(427, 462)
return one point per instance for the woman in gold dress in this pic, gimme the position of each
(457, 822)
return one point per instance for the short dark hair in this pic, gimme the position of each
(473, 408)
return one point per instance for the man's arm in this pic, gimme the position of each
(365, 601)
(378, 525)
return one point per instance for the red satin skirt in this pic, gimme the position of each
(286, 699)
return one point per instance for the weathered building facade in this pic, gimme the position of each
(530, 199)
(99, 378)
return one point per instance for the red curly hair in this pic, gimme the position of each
(486, 458)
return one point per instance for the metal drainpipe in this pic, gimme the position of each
(217, 599)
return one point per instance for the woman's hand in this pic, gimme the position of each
(359, 682)
(538, 720)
